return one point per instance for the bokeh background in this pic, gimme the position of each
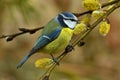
(99, 59)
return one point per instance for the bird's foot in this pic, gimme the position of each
(69, 48)
(55, 59)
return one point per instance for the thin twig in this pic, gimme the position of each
(104, 5)
(23, 31)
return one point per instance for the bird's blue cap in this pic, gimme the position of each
(68, 14)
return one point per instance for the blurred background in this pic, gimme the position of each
(98, 59)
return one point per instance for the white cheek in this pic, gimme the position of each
(70, 24)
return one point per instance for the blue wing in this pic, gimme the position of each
(42, 41)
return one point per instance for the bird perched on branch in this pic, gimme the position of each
(55, 36)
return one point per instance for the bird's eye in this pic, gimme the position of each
(75, 20)
(72, 20)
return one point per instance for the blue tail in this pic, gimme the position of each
(26, 57)
(23, 61)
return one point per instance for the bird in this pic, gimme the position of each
(55, 36)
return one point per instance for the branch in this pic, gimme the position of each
(104, 5)
(46, 75)
(23, 31)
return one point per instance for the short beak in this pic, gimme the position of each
(78, 21)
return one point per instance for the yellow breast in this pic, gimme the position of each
(60, 43)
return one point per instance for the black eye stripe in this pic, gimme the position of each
(71, 19)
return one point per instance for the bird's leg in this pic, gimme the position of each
(55, 59)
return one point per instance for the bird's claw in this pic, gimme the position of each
(55, 59)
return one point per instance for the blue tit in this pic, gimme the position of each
(55, 36)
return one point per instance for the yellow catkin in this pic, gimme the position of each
(43, 63)
(104, 28)
(98, 13)
(80, 28)
(91, 4)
